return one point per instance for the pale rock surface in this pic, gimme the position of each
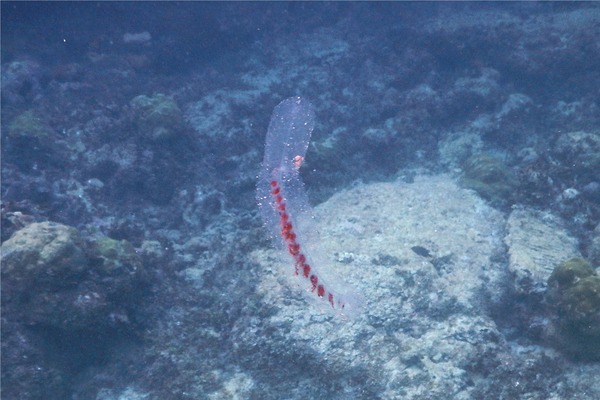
(537, 242)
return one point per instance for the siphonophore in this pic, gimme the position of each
(286, 211)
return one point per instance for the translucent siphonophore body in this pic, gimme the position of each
(285, 208)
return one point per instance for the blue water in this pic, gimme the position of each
(145, 123)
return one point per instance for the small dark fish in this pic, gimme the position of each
(422, 251)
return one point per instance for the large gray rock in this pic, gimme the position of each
(424, 323)
(537, 242)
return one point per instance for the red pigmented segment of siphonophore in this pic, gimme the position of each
(301, 266)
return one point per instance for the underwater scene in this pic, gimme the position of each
(300, 200)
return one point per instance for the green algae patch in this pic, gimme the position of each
(29, 125)
(116, 255)
(157, 117)
(490, 178)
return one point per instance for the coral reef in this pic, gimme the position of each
(491, 178)
(29, 125)
(28, 140)
(574, 295)
(594, 247)
(157, 117)
(159, 188)
(118, 256)
(458, 147)
(60, 290)
(20, 81)
(581, 151)
(44, 254)
(57, 279)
